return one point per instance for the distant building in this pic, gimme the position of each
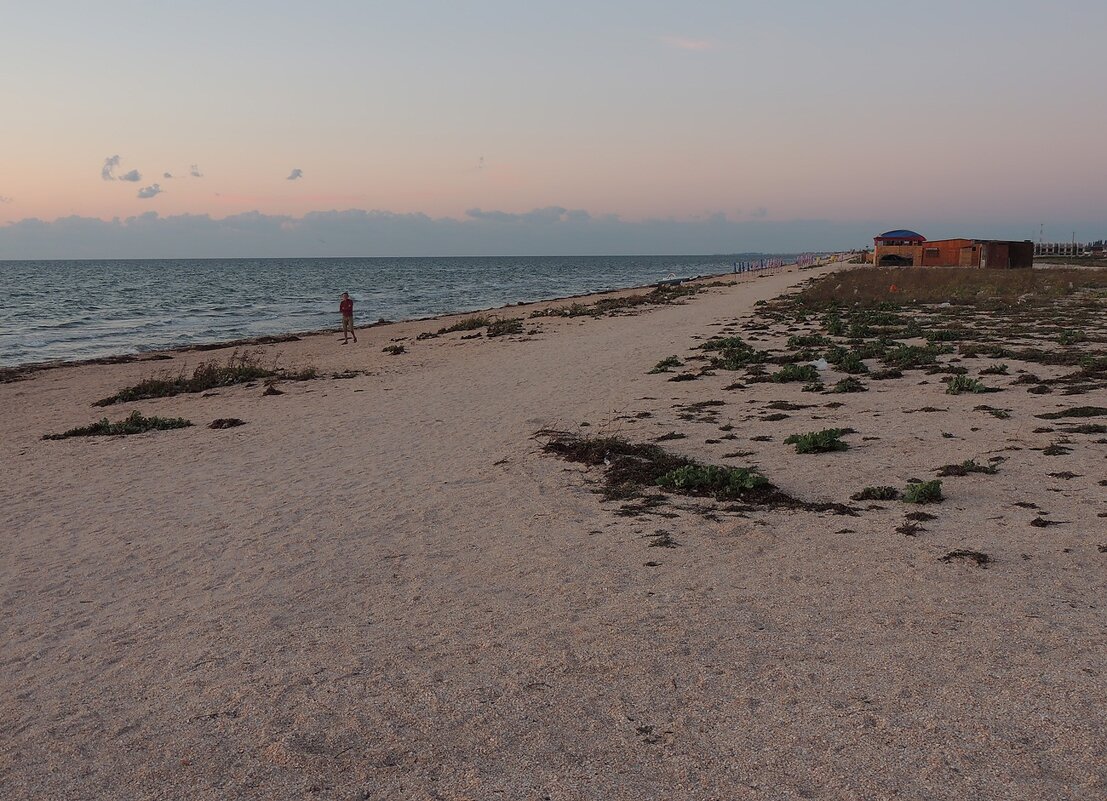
(903, 248)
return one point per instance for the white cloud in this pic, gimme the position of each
(6, 199)
(150, 191)
(194, 171)
(133, 176)
(684, 43)
(295, 175)
(107, 171)
(167, 175)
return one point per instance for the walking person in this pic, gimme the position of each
(347, 309)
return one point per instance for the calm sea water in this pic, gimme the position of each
(85, 309)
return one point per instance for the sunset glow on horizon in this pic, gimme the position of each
(977, 114)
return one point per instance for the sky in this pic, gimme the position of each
(154, 128)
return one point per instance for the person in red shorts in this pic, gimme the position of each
(347, 309)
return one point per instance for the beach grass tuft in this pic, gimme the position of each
(133, 424)
(240, 368)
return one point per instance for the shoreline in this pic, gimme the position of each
(19, 372)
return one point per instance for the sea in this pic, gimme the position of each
(67, 310)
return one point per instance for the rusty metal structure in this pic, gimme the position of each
(904, 248)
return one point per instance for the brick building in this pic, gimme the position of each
(905, 248)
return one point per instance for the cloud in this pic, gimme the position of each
(167, 175)
(295, 175)
(759, 212)
(194, 171)
(684, 43)
(110, 163)
(150, 191)
(552, 230)
(134, 176)
(545, 215)
(6, 199)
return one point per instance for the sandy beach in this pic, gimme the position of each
(381, 587)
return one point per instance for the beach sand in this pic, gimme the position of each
(380, 587)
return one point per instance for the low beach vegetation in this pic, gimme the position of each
(720, 482)
(632, 470)
(873, 286)
(961, 384)
(658, 296)
(666, 364)
(466, 324)
(795, 372)
(505, 326)
(966, 467)
(924, 492)
(240, 368)
(876, 494)
(849, 384)
(135, 423)
(825, 441)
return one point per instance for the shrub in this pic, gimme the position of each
(664, 365)
(851, 363)
(924, 492)
(876, 494)
(824, 441)
(468, 324)
(849, 384)
(908, 356)
(509, 325)
(795, 372)
(134, 424)
(995, 369)
(962, 383)
(807, 341)
(722, 482)
(966, 467)
(238, 369)
(1071, 337)
(724, 343)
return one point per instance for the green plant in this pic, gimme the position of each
(806, 341)
(962, 383)
(876, 494)
(825, 441)
(924, 492)
(664, 365)
(722, 482)
(995, 369)
(907, 356)
(966, 467)
(468, 324)
(849, 384)
(724, 343)
(503, 327)
(1071, 337)
(134, 424)
(851, 363)
(795, 372)
(238, 369)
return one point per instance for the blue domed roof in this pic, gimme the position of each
(901, 233)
